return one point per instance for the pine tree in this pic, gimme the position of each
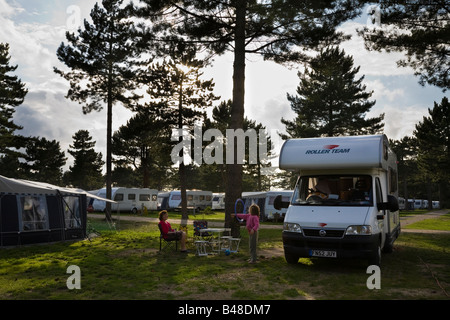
(142, 145)
(44, 160)
(12, 95)
(433, 137)
(103, 60)
(86, 172)
(330, 101)
(420, 30)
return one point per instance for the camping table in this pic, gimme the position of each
(215, 242)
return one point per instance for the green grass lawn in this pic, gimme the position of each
(440, 223)
(124, 263)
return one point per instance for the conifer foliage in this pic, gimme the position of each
(102, 59)
(12, 95)
(331, 100)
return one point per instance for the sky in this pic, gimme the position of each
(35, 28)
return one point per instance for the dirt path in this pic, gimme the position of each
(404, 221)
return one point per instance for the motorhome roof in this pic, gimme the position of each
(349, 152)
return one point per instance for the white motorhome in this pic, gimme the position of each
(128, 199)
(196, 200)
(265, 201)
(218, 201)
(345, 200)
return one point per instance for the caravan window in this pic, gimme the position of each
(34, 212)
(334, 190)
(144, 197)
(176, 197)
(131, 196)
(118, 197)
(72, 212)
(154, 197)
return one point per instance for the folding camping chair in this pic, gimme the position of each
(198, 225)
(166, 243)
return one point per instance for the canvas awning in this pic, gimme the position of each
(20, 186)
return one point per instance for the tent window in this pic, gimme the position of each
(72, 212)
(34, 212)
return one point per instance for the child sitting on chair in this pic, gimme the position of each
(169, 233)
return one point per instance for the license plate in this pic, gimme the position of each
(323, 253)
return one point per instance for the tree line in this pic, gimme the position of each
(161, 46)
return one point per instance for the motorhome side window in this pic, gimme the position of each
(379, 194)
(393, 183)
(334, 190)
(118, 197)
(144, 197)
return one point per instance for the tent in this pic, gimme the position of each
(37, 212)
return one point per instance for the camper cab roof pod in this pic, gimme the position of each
(347, 152)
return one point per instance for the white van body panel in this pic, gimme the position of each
(333, 153)
(332, 217)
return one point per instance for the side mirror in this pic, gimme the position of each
(279, 204)
(391, 204)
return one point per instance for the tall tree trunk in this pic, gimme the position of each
(234, 170)
(108, 138)
(145, 164)
(182, 167)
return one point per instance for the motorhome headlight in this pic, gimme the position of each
(292, 227)
(359, 230)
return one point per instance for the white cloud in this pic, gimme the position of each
(45, 111)
(371, 62)
(8, 10)
(380, 91)
(51, 115)
(400, 122)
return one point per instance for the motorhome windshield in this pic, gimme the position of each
(334, 190)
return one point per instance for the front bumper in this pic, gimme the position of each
(297, 244)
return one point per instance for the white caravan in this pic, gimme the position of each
(196, 200)
(218, 201)
(436, 205)
(401, 203)
(128, 199)
(265, 201)
(345, 200)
